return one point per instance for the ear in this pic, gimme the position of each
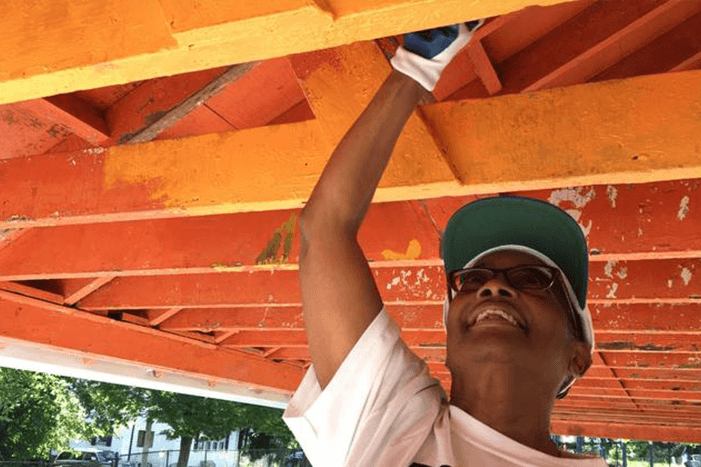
(581, 360)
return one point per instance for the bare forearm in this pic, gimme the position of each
(347, 185)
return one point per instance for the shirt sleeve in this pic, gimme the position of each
(378, 408)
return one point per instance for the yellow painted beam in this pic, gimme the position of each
(340, 83)
(637, 130)
(61, 46)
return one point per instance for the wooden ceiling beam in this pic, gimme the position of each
(633, 283)
(605, 140)
(570, 39)
(160, 122)
(156, 317)
(621, 223)
(72, 330)
(87, 290)
(483, 67)
(680, 324)
(603, 429)
(110, 42)
(692, 63)
(672, 51)
(522, 28)
(643, 341)
(618, 46)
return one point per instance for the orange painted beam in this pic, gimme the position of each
(483, 67)
(616, 47)
(626, 431)
(46, 53)
(71, 330)
(574, 135)
(402, 232)
(629, 282)
(340, 83)
(605, 139)
(423, 329)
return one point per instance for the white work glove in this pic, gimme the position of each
(425, 54)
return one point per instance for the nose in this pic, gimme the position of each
(497, 286)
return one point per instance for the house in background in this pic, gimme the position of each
(130, 444)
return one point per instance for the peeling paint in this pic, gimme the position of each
(686, 276)
(394, 282)
(612, 291)
(413, 251)
(579, 200)
(612, 194)
(622, 273)
(608, 269)
(94, 150)
(683, 208)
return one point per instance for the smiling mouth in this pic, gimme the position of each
(496, 320)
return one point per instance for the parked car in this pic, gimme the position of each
(84, 458)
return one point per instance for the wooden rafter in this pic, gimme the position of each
(172, 37)
(70, 329)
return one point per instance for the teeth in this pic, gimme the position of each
(494, 311)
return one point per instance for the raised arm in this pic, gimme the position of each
(339, 295)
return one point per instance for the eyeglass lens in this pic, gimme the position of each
(522, 278)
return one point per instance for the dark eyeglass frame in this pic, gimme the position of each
(555, 272)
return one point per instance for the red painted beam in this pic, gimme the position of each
(76, 331)
(677, 374)
(604, 429)
(659, 327)
(634, 222)
(207, 320)
(633, 283)
(32, 127)
(569, 40)
(26, 133)
(692, 63)
(87, 290)
(153, 98)
(483, 67)
(78, 116)
(674, 50)
(619, 45)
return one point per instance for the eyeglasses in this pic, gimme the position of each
(523, 278)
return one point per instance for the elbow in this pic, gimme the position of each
(313, 226)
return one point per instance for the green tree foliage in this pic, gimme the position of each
(189, 417)
(38, 412)
(109, 406)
